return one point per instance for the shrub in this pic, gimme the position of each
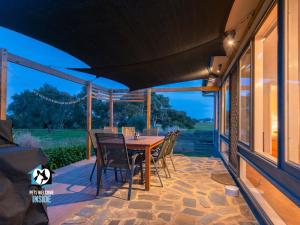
(63, 156)
(27, 140)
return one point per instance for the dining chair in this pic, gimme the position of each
(117, 157)
(92, 134)
(150, 132)
(113, 130)
(170, 150)
(159, 157)
(128, 131)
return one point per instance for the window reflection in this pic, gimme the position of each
(245, 97)
(225, 150)
(226, 108)
(279, 208)
(293, 82)
(265, 84)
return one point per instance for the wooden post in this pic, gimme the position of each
(88, 119)
(111, 109)
(3, 83)
(148, 108)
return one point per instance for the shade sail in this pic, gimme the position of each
(138, 43)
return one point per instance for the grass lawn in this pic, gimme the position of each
(193, 142)
(54, 138)
(204, 126)
(197, 141)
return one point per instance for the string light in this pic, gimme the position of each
(49, 99)
(59, 102)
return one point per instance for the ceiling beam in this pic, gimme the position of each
(185, 89)
(45, 69)
(128, 100)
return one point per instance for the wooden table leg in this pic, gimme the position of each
(147, 169)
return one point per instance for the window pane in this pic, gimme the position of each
(293, 82)
(265, 84)
(279, 208)
(224, 150)
(245, 97)
(225, 108)
(216, 99)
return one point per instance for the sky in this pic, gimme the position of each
(21, 78)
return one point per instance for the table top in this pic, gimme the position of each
(146, 141)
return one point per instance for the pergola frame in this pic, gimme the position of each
(93, 91)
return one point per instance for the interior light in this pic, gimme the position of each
(230, 35)
(230, 42)
(219, 68)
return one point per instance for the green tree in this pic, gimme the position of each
(163, 114)
(28, 110)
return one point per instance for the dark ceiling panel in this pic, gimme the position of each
(138, 43)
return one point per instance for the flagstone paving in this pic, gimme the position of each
(189, 197)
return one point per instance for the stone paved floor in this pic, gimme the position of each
(189, 197)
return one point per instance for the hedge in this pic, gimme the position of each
(63, 156)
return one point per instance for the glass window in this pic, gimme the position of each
(293, 81)
(279, 208)
(216, 99)
(225, 108)
(265, 87)
(224, 150)
(245, 97)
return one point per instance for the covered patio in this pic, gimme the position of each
(145, 45)
(193, 195)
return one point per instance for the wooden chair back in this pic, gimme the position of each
(150, 132)
(128, 131)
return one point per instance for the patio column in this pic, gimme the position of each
(149, 108)
(88, 119)
(111, 109)
(3, 83)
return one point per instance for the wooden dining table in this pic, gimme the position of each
(146, 144)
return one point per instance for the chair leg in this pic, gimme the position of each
(126, 176)
(172, 162)
(116, 174)
(99, 175)
(91, 176)
(105, 169)
(166, 166)
(156, 170)
(130, 182)
(142, 175)
(121, 175)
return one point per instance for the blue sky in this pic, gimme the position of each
(21, 78)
